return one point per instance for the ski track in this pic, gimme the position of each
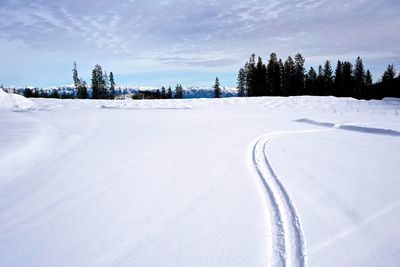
(288, 245)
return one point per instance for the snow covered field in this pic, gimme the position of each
(227, 182)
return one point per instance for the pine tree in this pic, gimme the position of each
(28, 92)
(250, 68)
(260, 78)
(178, 91)
(99, 83)
(311, 82)
(169, 93)
(105, 87)
(163, 93)
(80, 85)
(241, 83)
(299, 75)
(320, 82)
(54, 94)
(112, 86)
(282, 69)
(390, 84)
(347, 79)
(328, 78)
(368, 78)
(82, 92)
(75, 76)
(217, 89)
(274, 75)
(97, 77)
(288, 77)
(35, 92)
(369, 92)
(338, 83)
(359, 78)
(389, 73)
(157, 94)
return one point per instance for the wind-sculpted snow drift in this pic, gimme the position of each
(8, 100)
(171, 182)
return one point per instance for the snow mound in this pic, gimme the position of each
(8, 100)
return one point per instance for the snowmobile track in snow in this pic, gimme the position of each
(288, 246)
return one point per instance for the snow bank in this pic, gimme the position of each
(8, 100)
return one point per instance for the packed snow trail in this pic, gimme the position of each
(288, 244)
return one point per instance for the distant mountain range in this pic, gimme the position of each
(188, 92)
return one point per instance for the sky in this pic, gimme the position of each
(165, 42)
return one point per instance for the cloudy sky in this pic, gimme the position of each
(163, 42)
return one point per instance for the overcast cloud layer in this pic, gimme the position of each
(169, 41)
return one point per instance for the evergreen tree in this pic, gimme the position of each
(105, 92)
(359, 78)
(299, 75)
(368, 78)
(75, 76)
(241, 83)
(217, 89)
(288, 77)
(281, 67)
(35, 92)
(169, 93)
(338, 83)
(97, 77)
(82, 92)
(250, 68)
(112, 86)
(28, 92)
(80, 85)
(311, 82)
(390, 85)
(260, 78)
(163, 93)
(274, 75)
(54, 94)
(99, 83)
(328, 78)
(389, 73)
(369, 92)
(320, 82)
(178, 91)
(347, 79)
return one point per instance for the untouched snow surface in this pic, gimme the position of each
(208, 182)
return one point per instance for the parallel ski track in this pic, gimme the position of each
(288, 246)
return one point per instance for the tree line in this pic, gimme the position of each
(54, 93)
(162, 93)
(102, 87)
(275, 78)
(289, 78)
